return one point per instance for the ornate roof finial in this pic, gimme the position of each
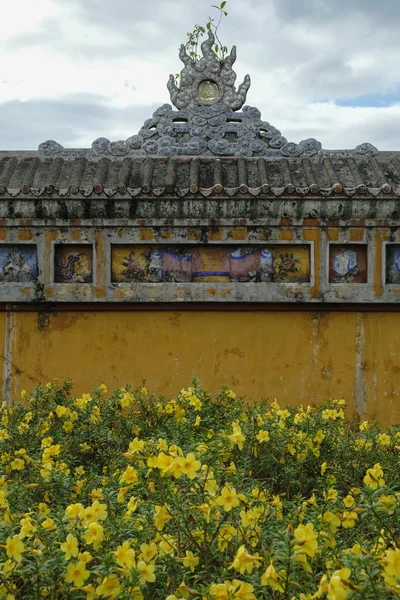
(205, 123)
(209, 80)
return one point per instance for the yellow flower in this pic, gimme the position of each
(110, 587)
(94, 534)
(27, 528)
(262, 436)
(237, 437)
(364, 426)
(331, 494)
(125, 556)
(96, 494)
(46, 442)
(61, 411)
(348, 501)
(18, 464)
(324, 467)
(4, 435)
(148, 551)
(391, 564)
(333, 520)
(77, 574)
(49, 524)
(188, 465)
(338, 587)
(161, 516)
(126, 399)
(271, 578)
(99, 511)
(388, 503)
(306, 539)
(190, 561)
(85, 556)
(384, 439)
(374, 477)
(349, 519)
(130, 475)
(68, 426)
(103, 388)
(70, 547)
(14, 548)
(228, 498)
(245, 562)
(146, 572)
(319, 436)
(75, 511)
(136, 446)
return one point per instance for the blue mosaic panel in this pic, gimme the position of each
(348, 264)
(393, 263)
(18, 263)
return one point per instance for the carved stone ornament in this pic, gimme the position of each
(207, 122)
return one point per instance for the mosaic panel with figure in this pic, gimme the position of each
(18, 263)
(348, 263)
(393, 263)
(184, 264)
(73, 263)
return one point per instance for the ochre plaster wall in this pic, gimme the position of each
(295, 357)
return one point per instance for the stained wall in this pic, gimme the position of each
(294, 356)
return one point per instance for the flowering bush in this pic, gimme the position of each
(136, 496)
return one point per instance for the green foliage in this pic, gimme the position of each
(201, 497)
(198, 32)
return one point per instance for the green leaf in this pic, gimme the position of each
(223, 4)
(208, 25)
(216, 47)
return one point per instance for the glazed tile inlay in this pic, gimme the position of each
(183, 264)
(18, 263)
(73, 263)
(348, 263)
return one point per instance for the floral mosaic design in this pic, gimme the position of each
(73, 263)
(393, 263)
(218, 264)
(18, 263)
(348, 264)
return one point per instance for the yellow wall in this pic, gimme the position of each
(295, 357)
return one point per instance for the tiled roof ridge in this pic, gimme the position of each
(24, 173)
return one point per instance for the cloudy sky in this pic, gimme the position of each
(75, 70)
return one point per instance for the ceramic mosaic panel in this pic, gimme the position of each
(348, 263)
(18, 263)
(180, 264)
(393, 263)
(73, 263)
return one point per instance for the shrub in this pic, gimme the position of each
(136, 496)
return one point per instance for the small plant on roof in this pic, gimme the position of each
(212, 24)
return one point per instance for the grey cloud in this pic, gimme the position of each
(315, 11)
(24, 125)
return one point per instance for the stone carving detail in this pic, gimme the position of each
(206, 122)
(208, 79)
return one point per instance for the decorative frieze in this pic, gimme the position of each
(216, 264)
